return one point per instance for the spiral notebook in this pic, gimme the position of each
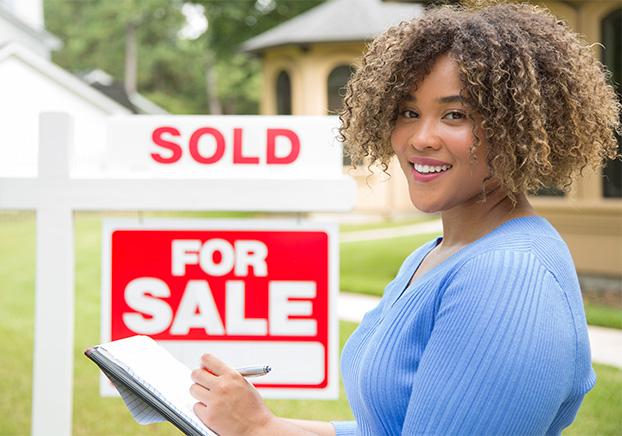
(153, 384)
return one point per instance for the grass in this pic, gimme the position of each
(604, 316)
(367, 266)
(600, 415)
(601, 411)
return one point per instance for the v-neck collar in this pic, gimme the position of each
(409, 271)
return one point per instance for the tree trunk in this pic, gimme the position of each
(131, 59)
(211, 80)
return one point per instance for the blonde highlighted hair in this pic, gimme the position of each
(545, 102)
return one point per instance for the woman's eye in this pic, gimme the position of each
(408, 113)
(455, 115)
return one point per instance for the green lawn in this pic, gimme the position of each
(604, 316)
(367, 266)
(600, 415)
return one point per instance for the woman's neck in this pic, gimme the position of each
(468, 222)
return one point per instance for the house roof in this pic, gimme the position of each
(61, 77)
(135, 102)
(335, 21)
(50, 41)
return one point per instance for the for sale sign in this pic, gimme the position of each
(250, 292)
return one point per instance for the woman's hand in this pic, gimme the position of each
(228, 404)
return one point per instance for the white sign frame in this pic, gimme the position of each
(54, 194)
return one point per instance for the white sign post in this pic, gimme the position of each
(54, 195)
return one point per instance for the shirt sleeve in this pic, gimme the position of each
(500, 358)
(344, 428)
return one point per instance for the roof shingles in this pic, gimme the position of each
(335, 21)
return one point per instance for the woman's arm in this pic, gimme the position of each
(501, 357)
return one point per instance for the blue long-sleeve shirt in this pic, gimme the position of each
(492, 341)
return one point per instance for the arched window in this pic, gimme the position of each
(335, 85)
(337, 80)
(283, 94)
(611, 37)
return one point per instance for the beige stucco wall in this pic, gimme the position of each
(590, 224)
(308, 69)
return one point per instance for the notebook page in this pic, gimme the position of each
(142, 412)
(157, 367)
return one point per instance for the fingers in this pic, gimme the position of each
(215, 365)
(201, 411)
(199, 393)
(203, 377)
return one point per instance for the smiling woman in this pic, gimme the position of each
(482, 331)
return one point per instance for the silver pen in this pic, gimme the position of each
(254, 371)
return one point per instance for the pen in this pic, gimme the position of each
(254, 371)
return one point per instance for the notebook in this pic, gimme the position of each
(153, 384)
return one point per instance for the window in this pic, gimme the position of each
(611, 37)
(283, 94)
(337, 80)
(550, 192)
(335, 86)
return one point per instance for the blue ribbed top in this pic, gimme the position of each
(491, 341)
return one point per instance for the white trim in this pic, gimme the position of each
(49, 40)
(63, 78)
(146, 106)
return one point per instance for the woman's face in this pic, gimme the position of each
(432, 137)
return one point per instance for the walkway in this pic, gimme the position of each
(426, 227)
(606, 343)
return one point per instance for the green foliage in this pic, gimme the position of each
(171, 70)
(239, 85)
(233, 22)
(93, 31)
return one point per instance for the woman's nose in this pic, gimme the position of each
(425, 136)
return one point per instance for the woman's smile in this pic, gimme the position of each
(425, 170)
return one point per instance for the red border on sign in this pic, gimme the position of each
(292, 256)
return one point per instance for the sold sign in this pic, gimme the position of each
(249, 292)
(225, 147)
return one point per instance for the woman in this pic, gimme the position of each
(482, 331)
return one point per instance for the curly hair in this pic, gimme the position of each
(546, 107)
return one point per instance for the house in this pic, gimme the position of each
(22, 22)
(31, 83)
(135, 102)
(307, 60)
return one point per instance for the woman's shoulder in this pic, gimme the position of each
(531, 237)
(526, 260)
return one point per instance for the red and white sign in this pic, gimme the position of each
(225, 147)
(251, 292)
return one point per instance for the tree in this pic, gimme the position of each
(230, 24)
(138, 42)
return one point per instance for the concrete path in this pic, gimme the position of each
(606, 343)
(435, 226)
